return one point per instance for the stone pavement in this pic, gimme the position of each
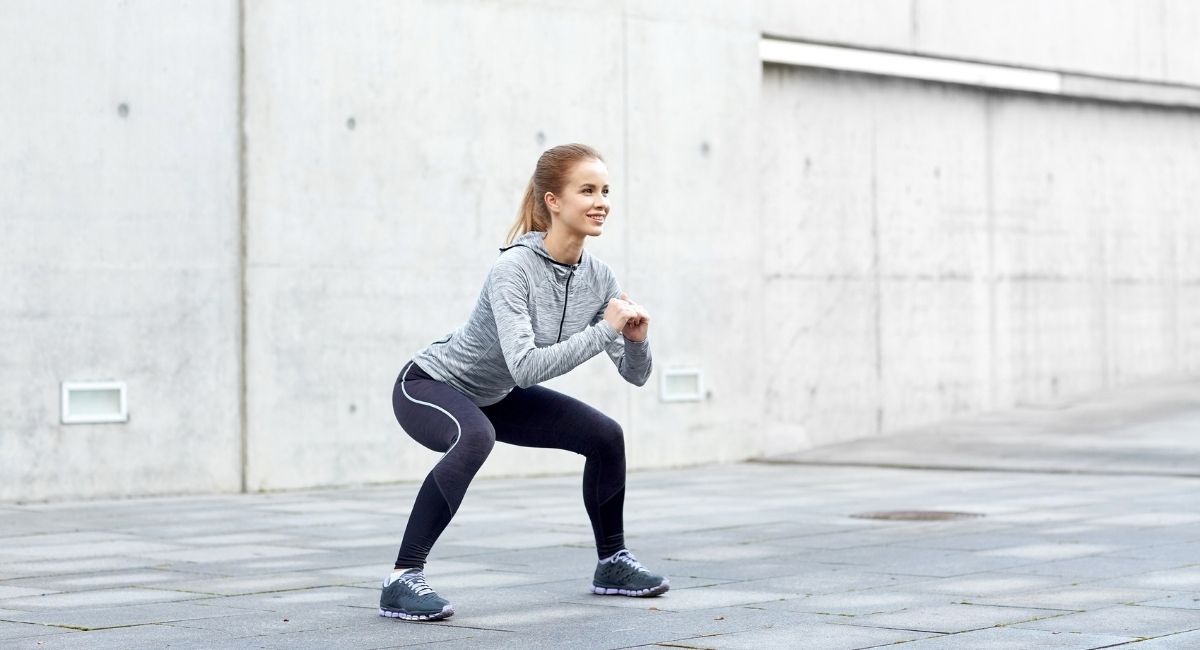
(1088, 537)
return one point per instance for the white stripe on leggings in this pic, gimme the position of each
(417, 401)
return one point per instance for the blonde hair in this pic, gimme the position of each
(550, 175)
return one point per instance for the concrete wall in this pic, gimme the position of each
(119, 244)
(937, 250)
(367, 243)
(842, 255)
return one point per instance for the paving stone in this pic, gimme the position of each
(86, 581)
(1049, 551)
(12, 543)
(11, 630)
(955, 618)
(1181, 601)
(921, 562)
(686, 599)
(862, 603)
(378, 633)
(730, 571)
(810, 637)
(241, 538)
(1094, 567)
(1123, 620)
(1077, 597)
(228, 553)
(58, 567)
(1181, 641)
(254, 584)
(1148, 519)
(987, 584)
(95, 598)
(149, 637)
(1016, 639)
(105, 617)
(1180, 554)
(10, 591)
(830, 579)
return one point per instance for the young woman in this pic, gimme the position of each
(545, 307)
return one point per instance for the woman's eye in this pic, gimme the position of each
(588, 191)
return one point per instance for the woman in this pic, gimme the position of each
(545, 308)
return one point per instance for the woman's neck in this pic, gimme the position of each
(564, 247)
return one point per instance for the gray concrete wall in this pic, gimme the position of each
(119, 244)
(842, 255)
(367, 243)
(938, 250)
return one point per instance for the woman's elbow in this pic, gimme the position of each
(524, 382)
(522, 377)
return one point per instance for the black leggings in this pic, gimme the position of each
(445, 420)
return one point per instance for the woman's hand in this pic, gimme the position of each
(619, 312)
(637, 327)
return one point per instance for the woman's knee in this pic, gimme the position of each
(609, 436)
(476, 441)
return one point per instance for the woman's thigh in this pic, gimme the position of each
(541, 417)
(433, 413)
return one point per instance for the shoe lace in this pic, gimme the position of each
(626, 558)
(416, 580)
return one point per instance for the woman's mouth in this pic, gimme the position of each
(597, 218)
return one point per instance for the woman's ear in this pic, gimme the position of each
(551, 202)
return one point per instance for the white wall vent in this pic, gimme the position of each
(682, 385)
(92, 402)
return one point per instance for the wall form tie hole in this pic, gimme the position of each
(351, 123)
(123, 110)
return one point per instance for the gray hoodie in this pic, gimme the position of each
(535, 319)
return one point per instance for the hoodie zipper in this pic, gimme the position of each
(566, 297)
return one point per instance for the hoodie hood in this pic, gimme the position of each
(536, 241)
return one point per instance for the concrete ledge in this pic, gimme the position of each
(973, 73)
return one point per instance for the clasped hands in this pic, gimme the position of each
(627, 317)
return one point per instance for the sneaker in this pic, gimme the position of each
(410, 598)
(623, 575)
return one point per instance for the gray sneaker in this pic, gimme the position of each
(623, 575)
(410, 598)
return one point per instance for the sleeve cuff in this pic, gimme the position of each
(607, 331)
(637, 347)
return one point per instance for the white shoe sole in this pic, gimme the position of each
(446, 612)
(638, 593)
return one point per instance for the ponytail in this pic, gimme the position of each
(531, 216)
(550, 175)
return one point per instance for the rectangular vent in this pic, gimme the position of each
(682, 385)
(93, 402)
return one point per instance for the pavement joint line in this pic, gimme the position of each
(77, 628)
(449, 623)
(975, 468)
(1051, 609)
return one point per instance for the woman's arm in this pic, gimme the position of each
(508, 293)
(631, 357)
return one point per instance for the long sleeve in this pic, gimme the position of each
(632, 358)
(508, 293)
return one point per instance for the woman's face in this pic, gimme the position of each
(582, 206)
